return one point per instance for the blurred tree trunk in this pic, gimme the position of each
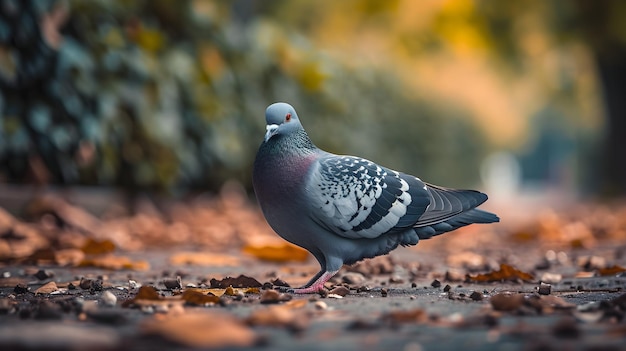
(601, 25)
(612, 71)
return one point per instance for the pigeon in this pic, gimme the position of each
(344, 209)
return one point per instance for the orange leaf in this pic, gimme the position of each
(147, 293)
(201, 330)
(98, 247)
(611, 270)
(197, 298)
(203, 259)
(277, 253)
(506, 273)
(114, 263)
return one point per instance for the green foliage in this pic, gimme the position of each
(168, 94)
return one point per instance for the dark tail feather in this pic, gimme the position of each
(466, 218)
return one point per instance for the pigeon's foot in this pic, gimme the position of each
(316, 285)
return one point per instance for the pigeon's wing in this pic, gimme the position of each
(356, 198)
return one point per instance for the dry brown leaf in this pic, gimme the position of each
(241, 281)
(613, 270)
(115, 263)
(468, 260)
(69, 257)
(148, 296)
(199, 299)
(203, 259)
(98, 247)
(48, 288)
(506, 273)
(506, 302)
(278, 316)
(283, 252)
(219, 291)
(148, 293)
(201, 330)
(10, 282)
(411, 316)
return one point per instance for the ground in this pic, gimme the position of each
(80, 271)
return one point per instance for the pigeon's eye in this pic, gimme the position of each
(288, 117)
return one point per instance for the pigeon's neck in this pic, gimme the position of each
(296, 144)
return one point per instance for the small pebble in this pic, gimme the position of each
(171, 284)
(340, 290)
(160, 308)
(43, 275)
(363, 288)
(384, 292)
(395, 279)
(414, 285)
(353, 278)
(108, 299)
(96, 285)
(85, 283)
(280, 282)
(435, 284)
(544, 289)
(272, 296)
(447, 288)
(21, 288)
(133, 284)
(321, 305)
(476, 296)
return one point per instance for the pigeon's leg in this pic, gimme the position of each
(317, 285)
(314, 279)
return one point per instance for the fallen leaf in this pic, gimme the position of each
(506, 273)
(58, 336)
(114, 263)
(340, 290)
(411, 316)
(69, 257)
(147, 293)
(252, 291)
(201, 330)
(272, 296)
(506, 302)
(613, 270)
(203, 259)
(48, 288)
(199, 299)
(468, 260)
(277, 253)
(241, 281)
(98, 247)
(148, 296)
(12, 281)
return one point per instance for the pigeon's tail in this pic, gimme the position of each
(451, 209)
(466, 218)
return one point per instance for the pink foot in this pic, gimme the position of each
(317, 285)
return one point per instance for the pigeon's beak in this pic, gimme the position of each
(271, 129)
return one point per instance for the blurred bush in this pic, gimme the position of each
(163, 95)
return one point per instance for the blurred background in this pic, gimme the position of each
(168, 97)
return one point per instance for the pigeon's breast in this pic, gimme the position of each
(279, 179)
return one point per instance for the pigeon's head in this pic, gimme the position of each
(281, 118)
